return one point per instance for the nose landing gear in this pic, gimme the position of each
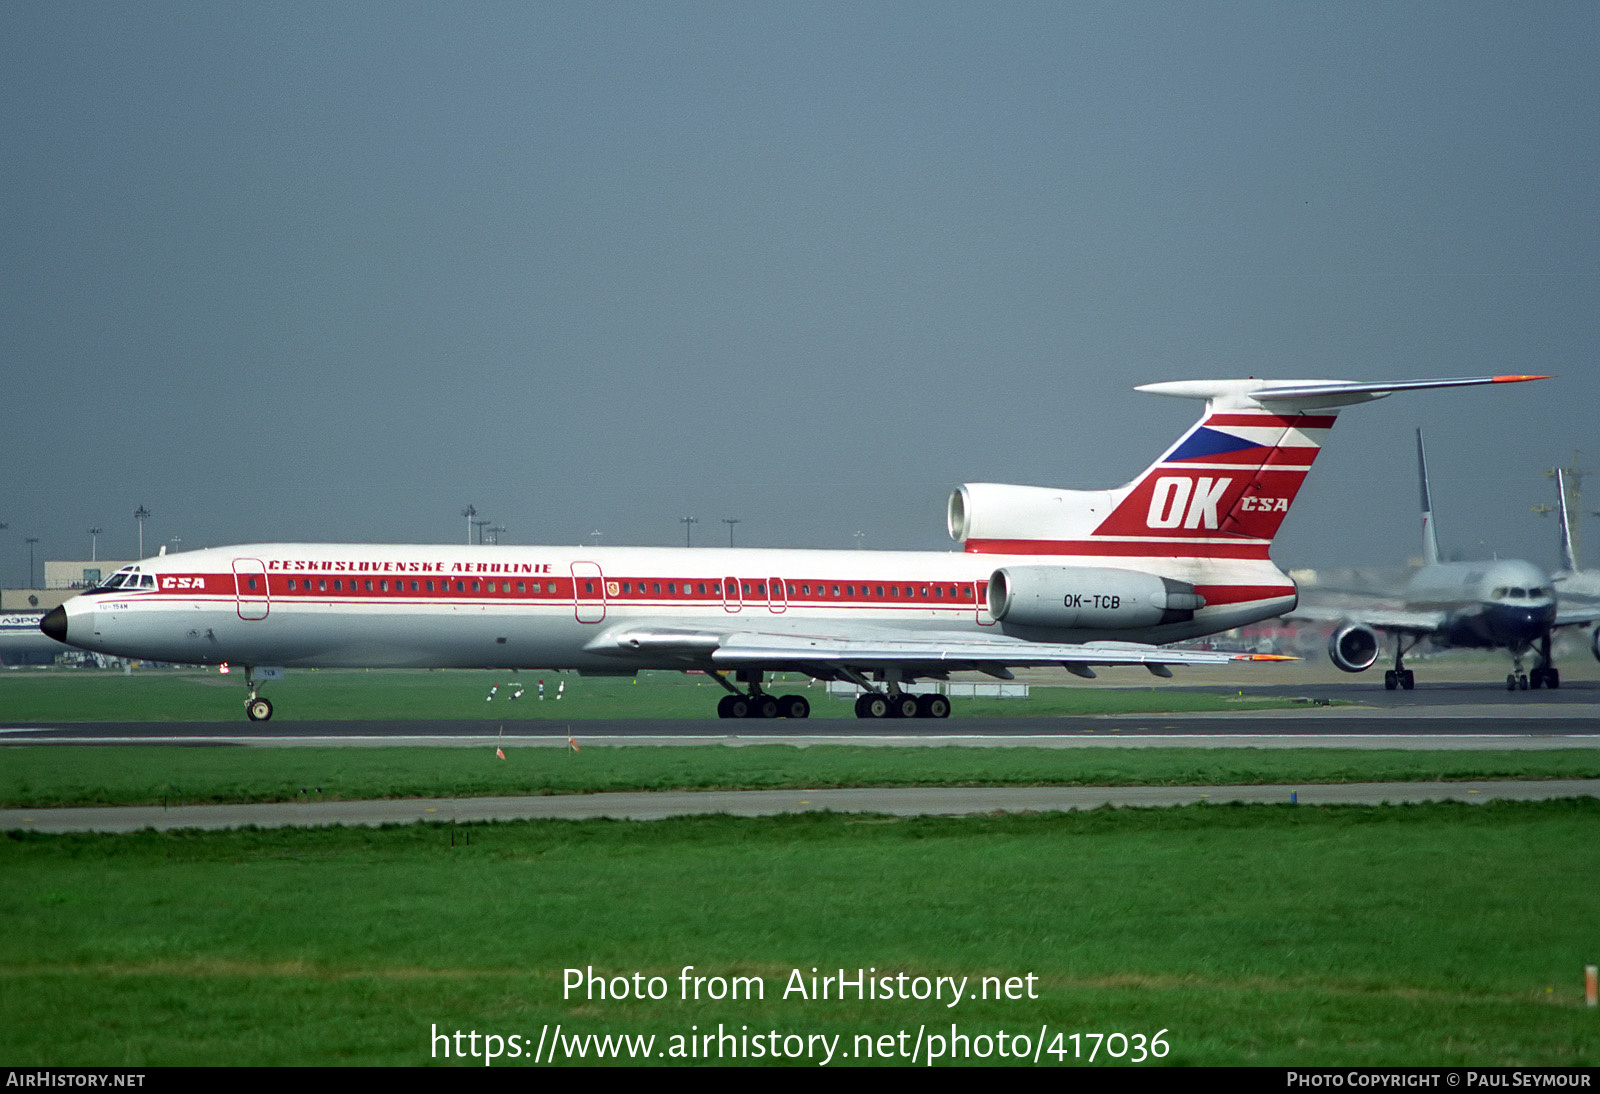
(256, 707)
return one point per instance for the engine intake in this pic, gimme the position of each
(1088, 596)
(1354, 647)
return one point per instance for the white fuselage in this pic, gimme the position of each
(339, 605)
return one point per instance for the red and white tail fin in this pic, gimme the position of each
(1221, 491)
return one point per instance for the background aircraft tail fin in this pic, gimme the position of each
(1430, 538)
(1569, 554)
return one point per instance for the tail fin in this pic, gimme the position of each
(1569, 549)
(1221, 491)
(1430, 538)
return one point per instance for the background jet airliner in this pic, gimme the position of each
(1505, 604)
(1075, 578)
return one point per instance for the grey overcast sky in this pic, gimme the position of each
(332, 271)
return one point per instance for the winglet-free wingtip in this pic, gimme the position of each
(1516, 379)
(1265, 657)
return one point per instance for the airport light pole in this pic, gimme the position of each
(688, 528)
(469, 512)
(730, 522)
(3, 527)
(141, 515)
(494, 534)
(480, 525)
(859, 537)
(595, 535)
(31, 540)
(94, 544)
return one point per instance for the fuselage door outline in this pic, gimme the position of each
(252, 599)
(588, 592)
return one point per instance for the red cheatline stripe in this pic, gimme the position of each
(1117, 548)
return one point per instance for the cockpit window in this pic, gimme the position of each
(115, 580)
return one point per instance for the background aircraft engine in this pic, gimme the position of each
(1087, 596)
(1353, 647)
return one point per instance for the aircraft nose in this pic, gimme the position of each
(54, 623)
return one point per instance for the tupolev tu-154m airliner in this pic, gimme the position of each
(1072, 578)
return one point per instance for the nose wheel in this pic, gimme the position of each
(256, 708)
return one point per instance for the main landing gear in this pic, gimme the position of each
(755, 703)
(900, 704)
(1400, 676)
(1544, 674)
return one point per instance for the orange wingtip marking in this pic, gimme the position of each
(1516, 379)
(1265, 657)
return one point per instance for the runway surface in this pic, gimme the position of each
(1442, 716)
(1439, 716)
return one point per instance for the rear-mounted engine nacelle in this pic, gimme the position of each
(1087, 596)
(1354, 647)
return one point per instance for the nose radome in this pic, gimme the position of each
(54, 623)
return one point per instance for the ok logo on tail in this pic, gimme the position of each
(1179, 500)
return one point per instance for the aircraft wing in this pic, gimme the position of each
(933, 654)
(1576, 616)
(1382, 619)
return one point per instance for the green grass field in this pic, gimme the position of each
(192, 695)
(1441, 934)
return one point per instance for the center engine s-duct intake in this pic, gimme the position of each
(1089, 596)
